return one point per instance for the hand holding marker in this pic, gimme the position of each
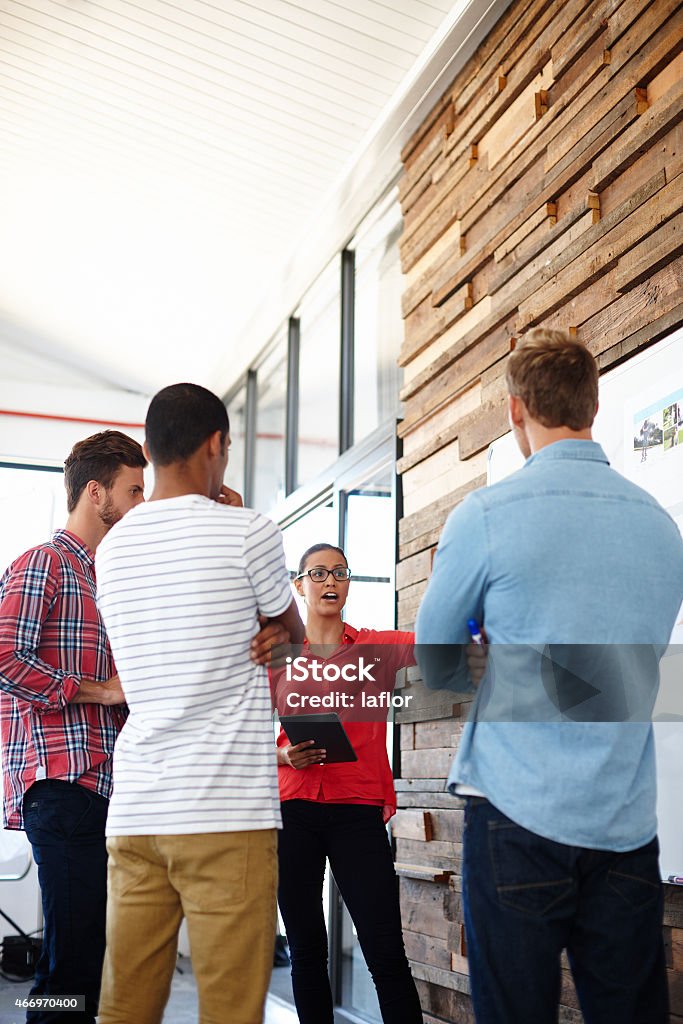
(475, 633)
(476, 652)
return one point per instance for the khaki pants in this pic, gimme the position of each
(224, 884)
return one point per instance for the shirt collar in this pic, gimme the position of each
(587, 451)
(70, 542)
(349, 636)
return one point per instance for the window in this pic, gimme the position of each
(319, 316)
(32, 506)
(318, 526)
(271, 411)
(378, 329)
(237, 412)
(370, 550)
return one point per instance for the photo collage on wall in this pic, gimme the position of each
(658, 429)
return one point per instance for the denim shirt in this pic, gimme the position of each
(566, 551)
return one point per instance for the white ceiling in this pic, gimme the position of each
(159, 161)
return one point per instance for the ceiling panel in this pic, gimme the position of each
(159, 160)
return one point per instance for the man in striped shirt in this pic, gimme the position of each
(61, 709)
(192, 823)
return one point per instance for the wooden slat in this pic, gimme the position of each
(654, 252)
(428, 949)
(581, 135)
(421, 487)
(572, 45)
(426, 913)
(609, 244)
(514, 122)
(655, 329)
(413, 527)
(447, 979)
(423, 785)
(522, 294)
(440, 424)
(676, 946)
(577, 224)
(656, 49)
(413, 570)
(668, 78)
(437, 734)
(418, 871)
(512, 241)
(427, 762)
(482, 428)
(413, 825)
(444, 706)
(433, 801)
(649, 128)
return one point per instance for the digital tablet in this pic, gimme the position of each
(326, 730)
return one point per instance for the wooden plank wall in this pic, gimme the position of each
(544, 188)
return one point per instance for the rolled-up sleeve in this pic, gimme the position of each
(28, 595)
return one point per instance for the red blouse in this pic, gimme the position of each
(368, 780)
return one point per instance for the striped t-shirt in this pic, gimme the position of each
(180, 582)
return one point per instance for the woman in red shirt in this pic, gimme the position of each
(338, 812)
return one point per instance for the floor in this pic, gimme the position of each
(182, 1006)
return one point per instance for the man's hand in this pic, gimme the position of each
(109, 692)
(300, 755)
(229, 497)
(477, 655)
(272, 634)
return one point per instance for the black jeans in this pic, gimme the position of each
(354, 839)
(65, 825)
(527, 898)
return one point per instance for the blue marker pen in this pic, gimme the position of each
(475, 632)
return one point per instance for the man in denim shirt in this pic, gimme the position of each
(560, 846)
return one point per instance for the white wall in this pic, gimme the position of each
(61, 416)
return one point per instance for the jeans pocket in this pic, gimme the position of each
(634, 876)
(56, 812)
(531, 874)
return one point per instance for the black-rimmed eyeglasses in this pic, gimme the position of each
(318, 574)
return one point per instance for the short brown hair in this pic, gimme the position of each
(100, 458)
(556, 377)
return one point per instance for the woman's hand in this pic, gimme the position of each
(300, 755)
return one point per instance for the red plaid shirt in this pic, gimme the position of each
(51, 637)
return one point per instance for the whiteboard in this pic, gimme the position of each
(641, 406)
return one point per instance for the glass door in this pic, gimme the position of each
(368, 528)
(357, 512)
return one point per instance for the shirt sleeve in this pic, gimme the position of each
(29, 593)
(265, 564)
(455, 593)
(402, 646)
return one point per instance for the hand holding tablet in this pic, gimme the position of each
(326, 731)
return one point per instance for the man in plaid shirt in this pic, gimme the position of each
(61, 709)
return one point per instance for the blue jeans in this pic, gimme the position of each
(527, 898)
(65, 825)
